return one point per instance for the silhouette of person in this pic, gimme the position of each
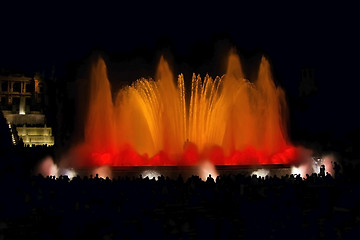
(322, 170)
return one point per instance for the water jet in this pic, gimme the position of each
(226, 120)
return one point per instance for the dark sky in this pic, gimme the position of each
(293, 35)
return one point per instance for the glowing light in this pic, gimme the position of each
(261, 172)
(300, 170)
(70, 173)
(150, 174)
(12, 135)
(47, 167)
(207, 169)
(316, 164)
(227, 120)
(103, 172)
(311, 164)
(329, 161)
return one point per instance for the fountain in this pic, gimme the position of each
(226, 120)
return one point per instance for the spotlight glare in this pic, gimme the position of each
(206, 168)
(47, 167)
(150, 174)
(103, 172)
(70, 173)
(261, 172)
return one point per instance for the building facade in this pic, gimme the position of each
(22, 103)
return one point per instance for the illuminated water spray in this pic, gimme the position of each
(226, 120)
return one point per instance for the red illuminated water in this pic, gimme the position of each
(227, 120)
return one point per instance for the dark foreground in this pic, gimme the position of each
(233, 207)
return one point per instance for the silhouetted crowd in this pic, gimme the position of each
(228, 207)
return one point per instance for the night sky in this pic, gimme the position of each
(324, 37)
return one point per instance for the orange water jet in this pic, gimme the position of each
(228, 120)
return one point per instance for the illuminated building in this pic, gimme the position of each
(22, 103)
